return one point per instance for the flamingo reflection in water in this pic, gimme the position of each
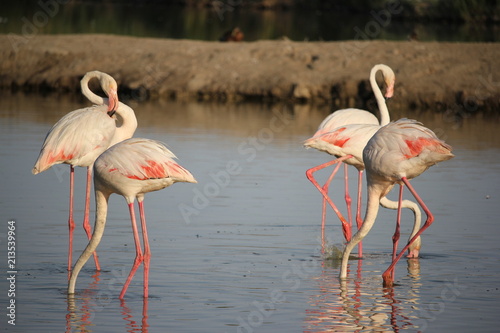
(132, 325)
(80, 317)
(361, 304)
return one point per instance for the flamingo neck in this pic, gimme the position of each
(382, 106)
(91, 96)
(375, 191)
(126, 124)
(414, 248)
(100, 222)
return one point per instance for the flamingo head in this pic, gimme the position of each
(113, 99)
(110, 88)
(389, 81)
(414, 249)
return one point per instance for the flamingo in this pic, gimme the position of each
(81, 136)
(347, 143)
(396, 153)
(355, 116)
(130, 168)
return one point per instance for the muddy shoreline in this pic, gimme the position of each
(438, 76)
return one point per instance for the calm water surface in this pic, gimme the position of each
(240, 250)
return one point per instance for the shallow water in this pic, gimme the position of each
(246, 255)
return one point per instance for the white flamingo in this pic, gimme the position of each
(130, 168)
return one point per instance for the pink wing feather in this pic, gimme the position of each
(144, 159)
(335, 137)
(78, 138)
(417, 139)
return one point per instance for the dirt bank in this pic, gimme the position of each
(429, 75)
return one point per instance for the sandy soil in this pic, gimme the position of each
(429, 75)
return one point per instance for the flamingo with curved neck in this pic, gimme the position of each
(358, 116)
(125, 116)
(108, 85)
(389, 79)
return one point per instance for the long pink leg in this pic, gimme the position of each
(348, 200)
(309, 173)
(138, 252)
(326, 187)
(86, 223)
(71, 222)
(323, 215)
(397, 233)
(147, 251)
(359, 220)
(387, 275)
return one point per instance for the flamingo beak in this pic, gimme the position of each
(112, 102)
(414, 250)
(390, 90)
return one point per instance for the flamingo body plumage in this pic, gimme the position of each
(404, 149)
(77, 139)
(343, 141)
(346, 117)
(137, 166)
